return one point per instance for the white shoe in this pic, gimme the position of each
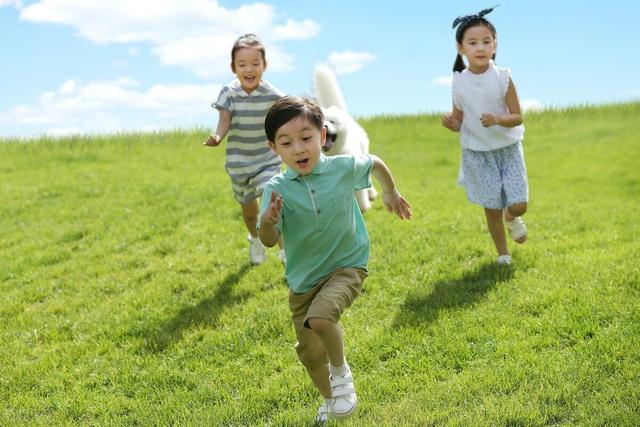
(504, 259)
(343, 393)
(283, 257)
(324, 412)
(517, 230)
(256, 250)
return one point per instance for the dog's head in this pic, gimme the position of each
(335, 122)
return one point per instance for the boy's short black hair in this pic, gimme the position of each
(288, 108)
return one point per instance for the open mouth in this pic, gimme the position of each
(328, 143)
(302, 162)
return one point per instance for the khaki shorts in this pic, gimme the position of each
(327, 300)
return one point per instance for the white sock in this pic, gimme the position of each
(339, 371)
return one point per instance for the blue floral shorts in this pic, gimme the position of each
(494, 179)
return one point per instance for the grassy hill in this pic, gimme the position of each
(127, 297)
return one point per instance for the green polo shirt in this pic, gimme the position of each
(320, 222)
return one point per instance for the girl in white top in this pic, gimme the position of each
(486, 112)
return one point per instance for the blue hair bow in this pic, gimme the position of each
(462, 20)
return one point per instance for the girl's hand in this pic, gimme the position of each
(488, 119)
(451, 122)
(212, 141)
(271, 215)
(397, 204)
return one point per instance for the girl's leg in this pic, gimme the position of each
(250, 212)
(496, 229)
(517, 209)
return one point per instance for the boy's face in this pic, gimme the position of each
(248, 66)
(299, 142)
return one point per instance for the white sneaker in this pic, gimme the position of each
(504, 259)
(324, 412)
(256, 250)
(282, 256)
(344, 399)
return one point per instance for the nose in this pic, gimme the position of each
(298, 147)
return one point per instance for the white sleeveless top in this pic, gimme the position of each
(476, 94)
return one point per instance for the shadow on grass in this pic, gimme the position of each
(419, 309)
(206, 312)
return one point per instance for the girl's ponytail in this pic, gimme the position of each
(459, 65)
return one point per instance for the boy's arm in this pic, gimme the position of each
(268, 232)
(224, 123)
(391, 197)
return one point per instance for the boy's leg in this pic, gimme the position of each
(331, 336)
(309, 347)
(320, 377)
(337, 293)
(496, 229)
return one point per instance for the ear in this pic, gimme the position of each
(323, 135)
(459, 48)
(272, 145)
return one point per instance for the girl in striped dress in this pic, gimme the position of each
(242, 105)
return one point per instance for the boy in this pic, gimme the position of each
(242, 105)
(312, 203)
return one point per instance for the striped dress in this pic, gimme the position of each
(249, 161)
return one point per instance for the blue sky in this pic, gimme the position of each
(95, 66)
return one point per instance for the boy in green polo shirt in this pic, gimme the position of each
(312, 204)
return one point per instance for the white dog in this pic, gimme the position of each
(344, 134)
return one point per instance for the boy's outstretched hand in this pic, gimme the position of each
(271, 215)
(397, 204)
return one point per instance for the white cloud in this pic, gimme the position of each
(107, 106)
(531, 105)
(443, 81)
(349, 61)
(15, 3)
(306, 29)
(194, 34)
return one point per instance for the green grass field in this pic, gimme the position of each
(127, 297)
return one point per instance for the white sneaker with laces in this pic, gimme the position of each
(256, 250)
(344, 399)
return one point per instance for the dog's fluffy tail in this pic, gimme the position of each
(327, 89)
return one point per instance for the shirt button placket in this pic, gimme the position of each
(315, 203)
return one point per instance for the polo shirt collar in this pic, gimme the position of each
(320, 168)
